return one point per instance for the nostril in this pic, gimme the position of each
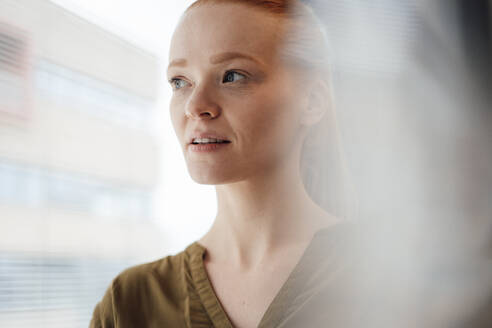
(200, 115)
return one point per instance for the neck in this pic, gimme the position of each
(259, 216)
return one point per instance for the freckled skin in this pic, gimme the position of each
(259, 114)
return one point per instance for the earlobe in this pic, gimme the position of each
(318, 104)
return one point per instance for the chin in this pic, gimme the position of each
(212, 176)
(207, 176)
(207, 180)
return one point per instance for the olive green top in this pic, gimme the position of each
(349, 276)
(175, 291)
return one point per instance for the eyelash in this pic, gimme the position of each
(234, 72)
(173, 81)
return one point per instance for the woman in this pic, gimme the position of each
(250, 89)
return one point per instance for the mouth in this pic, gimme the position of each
(207, 141)
(203, 146)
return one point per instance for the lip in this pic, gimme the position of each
(209, 135)
(207, 148)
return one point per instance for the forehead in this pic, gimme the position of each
(211, 29)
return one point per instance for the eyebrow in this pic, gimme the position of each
(226, 56)
(177, 62)
(216, 59)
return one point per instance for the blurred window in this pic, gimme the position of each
(41, 187)
(33, 286)
(76, 90)
(14, 70)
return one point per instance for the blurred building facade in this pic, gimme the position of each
(78, 163)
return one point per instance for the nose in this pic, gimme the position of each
(202, 104)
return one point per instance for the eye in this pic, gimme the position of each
(232, 76)
(178, 83)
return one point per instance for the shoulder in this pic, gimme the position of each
(148, 291)
(163, 276)
(139, 275)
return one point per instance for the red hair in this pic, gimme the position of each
(273, 6)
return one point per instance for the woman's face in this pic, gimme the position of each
(229, 82)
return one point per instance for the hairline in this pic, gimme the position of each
(200, 3)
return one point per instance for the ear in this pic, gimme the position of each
(319, 97)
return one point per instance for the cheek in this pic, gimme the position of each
(270, 119)
(278, 115)
(177, 117)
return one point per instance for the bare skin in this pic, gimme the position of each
(227, 78)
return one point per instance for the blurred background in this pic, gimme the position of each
(92, 179)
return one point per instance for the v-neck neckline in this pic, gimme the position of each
(280, 302)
